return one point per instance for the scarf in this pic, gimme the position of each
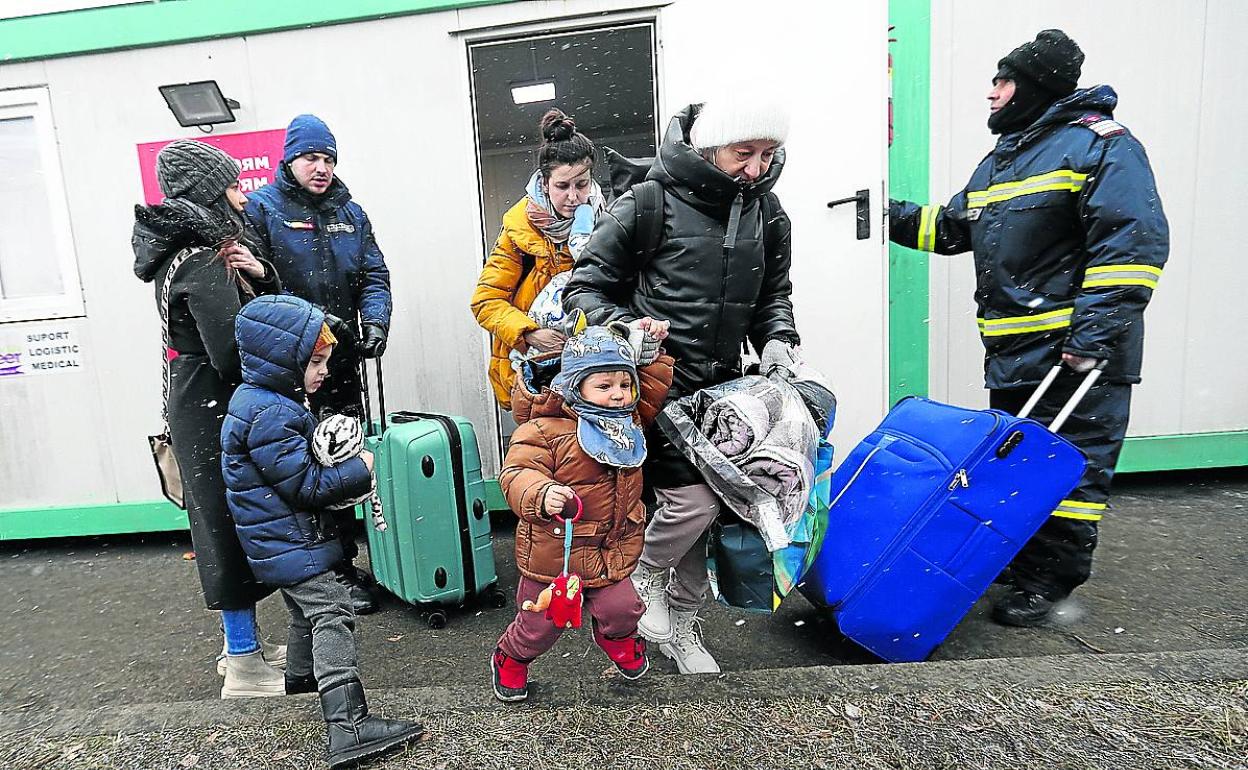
(548, 221)
(1030, 102)
(610, 435)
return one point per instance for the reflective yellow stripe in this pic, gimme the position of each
(1115, 268)
(1122, 275)
(927, 228)
(1078, 509)
(1025, 324)
(1060, 180)
(1147, 283)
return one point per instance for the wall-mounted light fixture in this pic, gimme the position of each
(199, 104)
(532, 91)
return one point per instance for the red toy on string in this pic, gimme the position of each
(562, 600)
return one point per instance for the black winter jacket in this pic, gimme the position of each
(202, 305)
(720, 274)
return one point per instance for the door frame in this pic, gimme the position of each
(514, 33)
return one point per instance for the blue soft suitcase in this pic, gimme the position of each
(436, 551)
(927, 510)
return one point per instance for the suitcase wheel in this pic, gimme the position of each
(497, 598)
(437, 619)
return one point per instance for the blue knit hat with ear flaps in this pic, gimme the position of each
(610, 435)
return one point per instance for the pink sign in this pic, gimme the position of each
(259, 153)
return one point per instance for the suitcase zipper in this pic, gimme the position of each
(960, 478)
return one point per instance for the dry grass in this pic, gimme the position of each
(1140, 726)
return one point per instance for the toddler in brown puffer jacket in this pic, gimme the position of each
(582, 437)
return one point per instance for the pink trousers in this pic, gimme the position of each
(615, 610)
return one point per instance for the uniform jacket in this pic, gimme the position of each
(544, 451)
(323, 248)
(1069, 239)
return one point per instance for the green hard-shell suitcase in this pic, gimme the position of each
(436, 551)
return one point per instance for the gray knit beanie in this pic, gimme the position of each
(196, 171)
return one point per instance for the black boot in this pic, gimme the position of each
(353, 735)
(296, 684)
(1022, 608)
(362, 600)
(1006, 577)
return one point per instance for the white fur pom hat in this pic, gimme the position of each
(726, 121)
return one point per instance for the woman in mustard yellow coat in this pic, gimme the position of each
(534, 247)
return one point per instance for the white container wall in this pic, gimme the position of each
(396, 93)
(1175, 67)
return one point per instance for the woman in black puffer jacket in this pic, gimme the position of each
(720, 273)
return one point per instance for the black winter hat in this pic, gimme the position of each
(1052, 60)
(196, 171)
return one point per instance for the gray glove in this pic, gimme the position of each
(777, 354)
(645, 348)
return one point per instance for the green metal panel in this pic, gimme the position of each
(494, 499)
(127, 518)
(908, 179)
(1197, 450)
(181, 21)
(104, 519)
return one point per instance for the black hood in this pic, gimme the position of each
(685, 173)
(163, 230)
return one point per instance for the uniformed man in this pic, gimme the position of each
(1069, 240)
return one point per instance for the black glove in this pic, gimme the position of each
(343, 331)
(373, 342)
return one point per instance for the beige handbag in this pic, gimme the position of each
(162, 447)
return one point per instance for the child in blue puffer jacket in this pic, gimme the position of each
(279, 496)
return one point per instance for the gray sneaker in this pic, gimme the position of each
(656, 624)
(686, 646)
(248, 676)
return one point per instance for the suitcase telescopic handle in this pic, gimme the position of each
(1075, 398)
(381, 395)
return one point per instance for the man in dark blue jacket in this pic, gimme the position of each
(278, 495)
(322, 244)
(1069, 240)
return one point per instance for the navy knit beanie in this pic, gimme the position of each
(308, 133)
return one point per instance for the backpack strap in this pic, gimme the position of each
(768, 206)
(648, 222)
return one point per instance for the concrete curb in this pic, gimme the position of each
(763, 685)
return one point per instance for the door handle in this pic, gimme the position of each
(862, 199)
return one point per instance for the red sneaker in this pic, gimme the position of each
(510, 677)
(628, 655)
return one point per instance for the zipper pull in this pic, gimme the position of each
(960, 478)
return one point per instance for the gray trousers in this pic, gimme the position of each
(676, 538)
(322, 627)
